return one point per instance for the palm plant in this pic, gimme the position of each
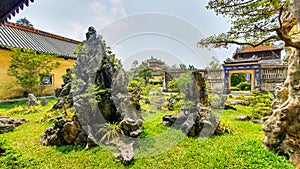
(109, 131)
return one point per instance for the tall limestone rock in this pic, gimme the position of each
(282, 129)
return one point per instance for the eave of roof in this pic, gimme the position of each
(242, 61)
(259, 49)
(156, 68)
(9, 8)
(12, 35)
(155, 61)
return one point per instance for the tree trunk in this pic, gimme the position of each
(282, 129)
(296, 9)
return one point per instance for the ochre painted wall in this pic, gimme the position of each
(16, 92)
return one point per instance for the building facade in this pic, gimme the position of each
(17, 36)
(262, 64)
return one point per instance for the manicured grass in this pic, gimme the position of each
(158, 147)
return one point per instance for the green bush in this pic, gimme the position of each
(260, 103)
(213, 99)
(173, 86)
(244, 86)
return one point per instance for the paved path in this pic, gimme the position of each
(21, 99)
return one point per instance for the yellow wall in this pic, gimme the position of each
(16, 91)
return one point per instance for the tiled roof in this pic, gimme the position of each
(156, 68)
(154, 60)
(11, 7)
(258, 48)
(12, 35)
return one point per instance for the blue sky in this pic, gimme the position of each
(166, 29)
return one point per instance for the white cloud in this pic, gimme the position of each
(97, 7)
(117, 2)
(118, 11)
(78, 30)
(105, 12)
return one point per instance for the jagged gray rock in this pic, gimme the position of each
(199, 121)
(99, 97)
(64, 132)
(63, 95)
(94, 69)
(125, 151)
(243, 118)
(44, 101)
(8, 124)
(32, 100)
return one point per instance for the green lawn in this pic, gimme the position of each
(158, 147)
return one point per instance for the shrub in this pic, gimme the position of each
(109, 131)
(51, 116)
(213, 99)
(260, 103)
(244, 86)
(24, 110)
(224, 127)
(173, 86)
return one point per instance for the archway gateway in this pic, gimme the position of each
(251, 72)
(252, 67)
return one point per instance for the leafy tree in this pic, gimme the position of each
(25, 22)
(173, 86)
(135, 88)
(166, 67)
(183, 67)
(145, 72)
(28, 68)
(192, 67)
(214, 64)
(117, 63)
(134, 66)
(253, 23)
(237, 78)
(180, 83)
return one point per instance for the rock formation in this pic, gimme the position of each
(282, 129)
(32, 100)
(63, 95)
(8, 124)
(194, 120)
(100, 97)
(64, 132)
(44, 101)
(199, 121)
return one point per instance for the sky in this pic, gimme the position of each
(136, 29)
